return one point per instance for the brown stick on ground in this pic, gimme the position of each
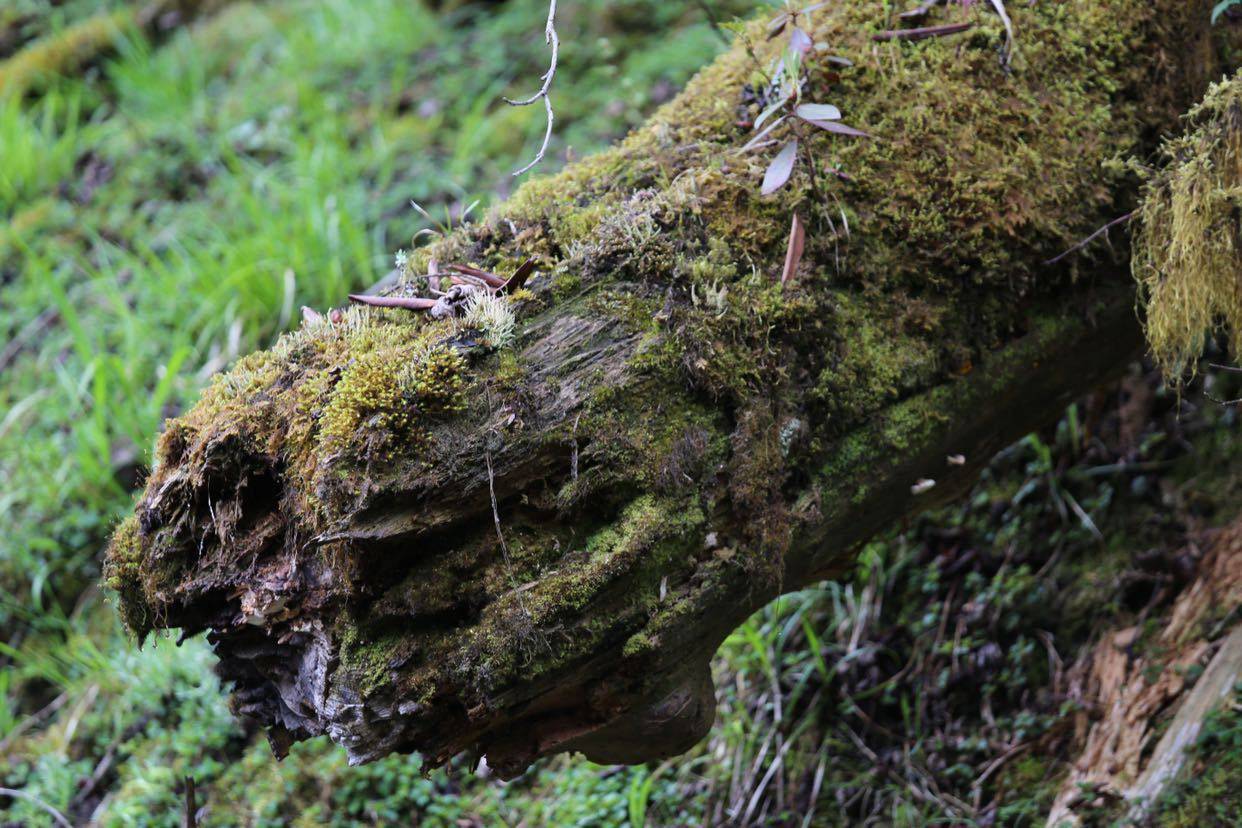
(923, 32)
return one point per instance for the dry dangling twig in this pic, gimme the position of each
(550, 37)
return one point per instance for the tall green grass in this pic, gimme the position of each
(168, 211)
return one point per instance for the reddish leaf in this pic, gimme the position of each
(491, 279)
(840, 129)
(773, 108)
(793, 254)
(758, 139)
(777, 25)
(781, 168)
(519, 277)
(800, 41)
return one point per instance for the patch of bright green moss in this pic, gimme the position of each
(123, 575)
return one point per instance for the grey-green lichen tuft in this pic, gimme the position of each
(1188, 247)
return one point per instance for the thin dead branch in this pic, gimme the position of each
(923, 32)
(551, 38)
(1101, 232)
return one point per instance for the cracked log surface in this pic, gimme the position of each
(416, 534)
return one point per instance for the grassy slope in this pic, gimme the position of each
(172, 209)
(150, 213)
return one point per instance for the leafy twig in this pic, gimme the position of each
(551, 38)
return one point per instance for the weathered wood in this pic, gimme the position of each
(416, 534)
(1125, 689)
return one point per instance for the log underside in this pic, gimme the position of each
(575, 707)
(410, 536)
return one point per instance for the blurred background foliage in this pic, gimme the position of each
(167, 205)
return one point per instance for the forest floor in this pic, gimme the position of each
(169, 202)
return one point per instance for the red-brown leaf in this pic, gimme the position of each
(793, 254)
(840, 128)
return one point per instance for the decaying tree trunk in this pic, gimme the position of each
(85, 41)
(447, 536)
(1125, 691)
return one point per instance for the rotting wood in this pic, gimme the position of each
(674, 438)
(1131, 692)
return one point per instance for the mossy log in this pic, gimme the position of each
(439, 535)
(84, 41)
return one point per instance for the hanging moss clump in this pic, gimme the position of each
(1187, 246)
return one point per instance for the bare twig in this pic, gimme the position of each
(924, 32)
(32, 720)
(1102, 231)
(711, 18)
(34, 800)
(404, 302)
(550, 37)
(491, 488)
(920, 12)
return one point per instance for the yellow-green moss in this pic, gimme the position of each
(123, 575)
(978, 172)
(1188, 248)
(63, 51)
(368, 392)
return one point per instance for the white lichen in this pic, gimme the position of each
(491, 315)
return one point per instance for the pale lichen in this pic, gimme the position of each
(1188, 248)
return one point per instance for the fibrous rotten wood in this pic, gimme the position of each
(435, 535)
(1126, 691)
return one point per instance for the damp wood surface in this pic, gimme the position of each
(409, 537)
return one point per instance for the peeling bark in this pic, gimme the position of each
(1127, 692)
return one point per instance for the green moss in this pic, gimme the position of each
(123, 575)
(364, 655)
(1211, 794)
(876, 362)
(369, 391)
(63, 51)
(665, 252)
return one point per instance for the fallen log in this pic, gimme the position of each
(86, 40)
(525, 529)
